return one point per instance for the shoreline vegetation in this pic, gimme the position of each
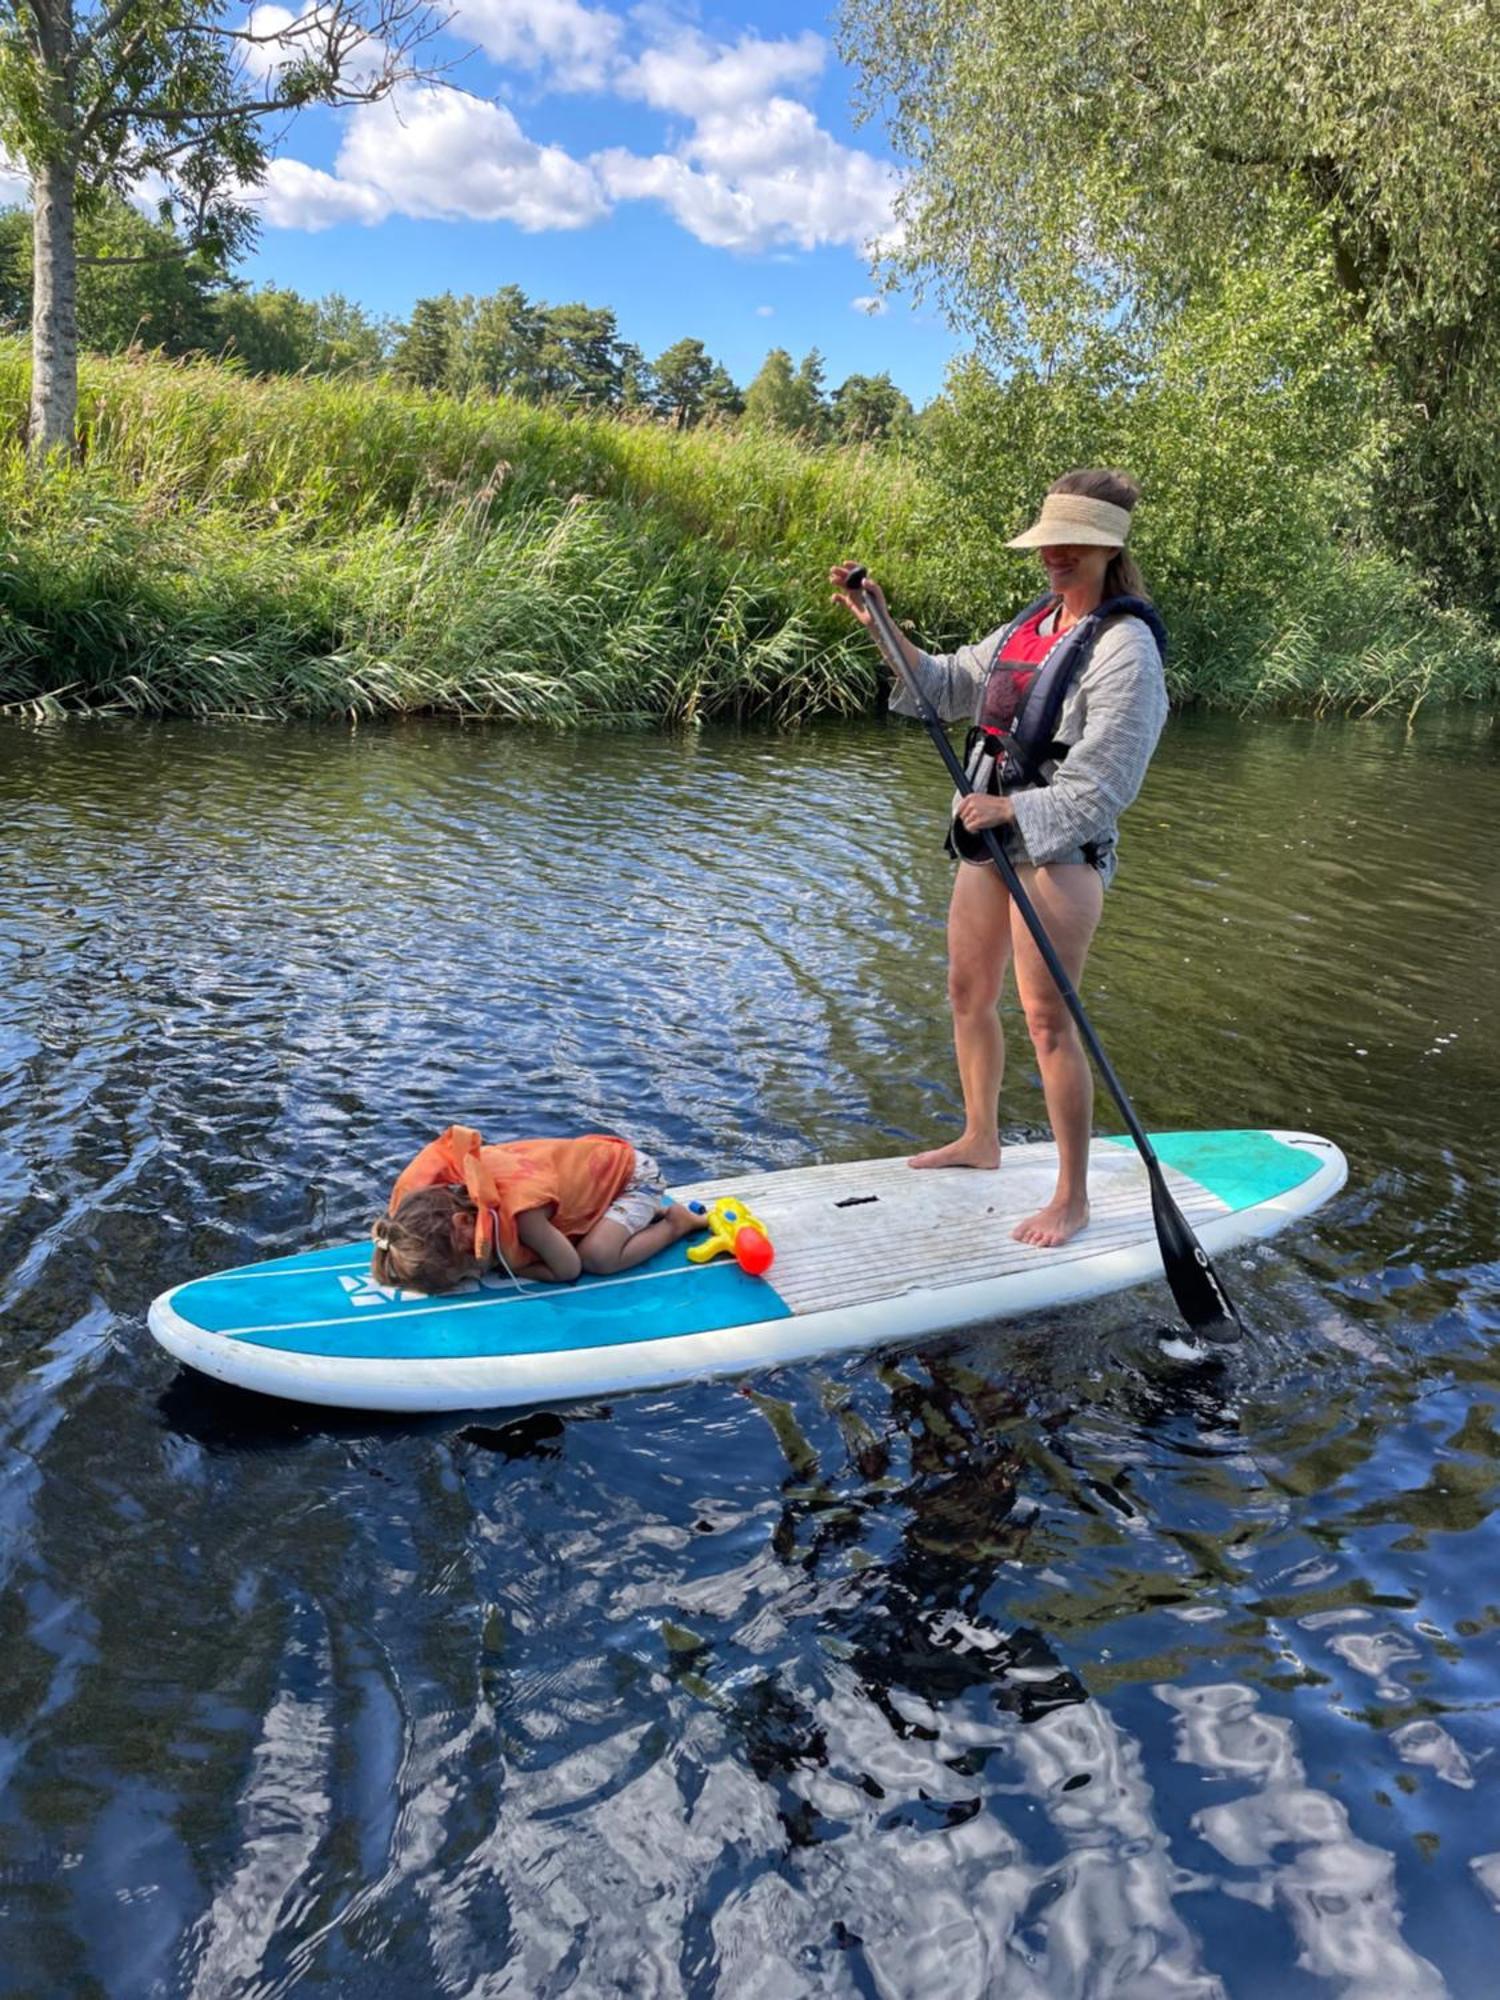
(304, 546)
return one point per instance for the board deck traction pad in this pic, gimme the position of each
(865, 1251)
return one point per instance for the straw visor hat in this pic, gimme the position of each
(1073, 517)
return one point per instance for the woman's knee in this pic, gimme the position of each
(974, 989)
(1050, 1027)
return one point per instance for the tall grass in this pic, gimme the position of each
(317, 547)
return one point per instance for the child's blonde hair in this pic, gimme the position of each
(420, 1247)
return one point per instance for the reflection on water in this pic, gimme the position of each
(1338, 1892)
(1031, 1664)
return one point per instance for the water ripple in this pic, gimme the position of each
(1032, 1664)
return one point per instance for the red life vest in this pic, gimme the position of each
(1016, 666)
(1012, 744)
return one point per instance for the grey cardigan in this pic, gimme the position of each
(1110, 721)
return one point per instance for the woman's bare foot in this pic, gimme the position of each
(1059, 1222)
(966, 1151)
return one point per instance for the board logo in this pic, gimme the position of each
(365, 1292)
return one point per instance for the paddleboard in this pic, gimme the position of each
(868, 1254)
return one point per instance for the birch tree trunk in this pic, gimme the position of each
(54, 309)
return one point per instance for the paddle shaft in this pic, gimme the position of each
(1200, 1296)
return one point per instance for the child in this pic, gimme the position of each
(552, 1208)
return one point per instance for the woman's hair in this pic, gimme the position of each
(417, 1246)
(1098, 482)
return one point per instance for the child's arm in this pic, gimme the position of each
(560, 1260)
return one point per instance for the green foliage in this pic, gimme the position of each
(507, 344)
(1171, 147)
(1246, 436)
(429, 347)
(866, 408)
(275, 331)
(683, 374)
(495, 343)
(328, 545)
(336, 544)
(771, 400)
(99, 98)
(810, 410)
(579, 360)
(722, 397)
(15, 270)
(135, 286)
(785, 399)
(120, 95)
(1074, 170)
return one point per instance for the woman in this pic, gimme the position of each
(1067, 703)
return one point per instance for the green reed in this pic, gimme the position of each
(341, 545)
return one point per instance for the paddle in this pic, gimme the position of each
(1201, 1298)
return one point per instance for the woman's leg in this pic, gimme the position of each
(1068, 897)
(979, 934)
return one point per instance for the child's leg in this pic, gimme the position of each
(610, 1246)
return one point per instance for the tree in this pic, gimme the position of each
(579, 360)
(771, 400)
(271, 330)
(807, 384)
(683, 374)
(133, 286)
(1176, 146)
(637, 380)
(1241, 510)
(722, 396)
(427, 346)
(499, 345)
(347, 336)
(867, 407)
(783, 400)
(104, 96)
(275, 331)
(15, 269)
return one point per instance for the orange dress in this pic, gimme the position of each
(575, 1180)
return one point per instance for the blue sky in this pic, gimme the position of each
(699, 173)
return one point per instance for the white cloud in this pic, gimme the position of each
(765, 177)
(708, 209)
(753, 171)
(576, 46)
(434, 151)
(872, 306)
(294, 196)
(697, 77)
(765, 312)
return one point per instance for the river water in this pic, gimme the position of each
(1032, 1664)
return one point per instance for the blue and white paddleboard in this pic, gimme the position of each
(868, 1254)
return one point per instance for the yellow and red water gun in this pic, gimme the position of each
(734, 1231)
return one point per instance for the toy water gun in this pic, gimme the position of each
(733, 1229)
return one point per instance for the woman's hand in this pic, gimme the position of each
(978, 811)
(854, 600)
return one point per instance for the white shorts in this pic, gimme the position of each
(644, 1200)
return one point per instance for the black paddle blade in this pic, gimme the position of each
(1201, 1298)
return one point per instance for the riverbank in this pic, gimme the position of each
(318, 547)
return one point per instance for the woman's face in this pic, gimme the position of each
(1075, 566)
